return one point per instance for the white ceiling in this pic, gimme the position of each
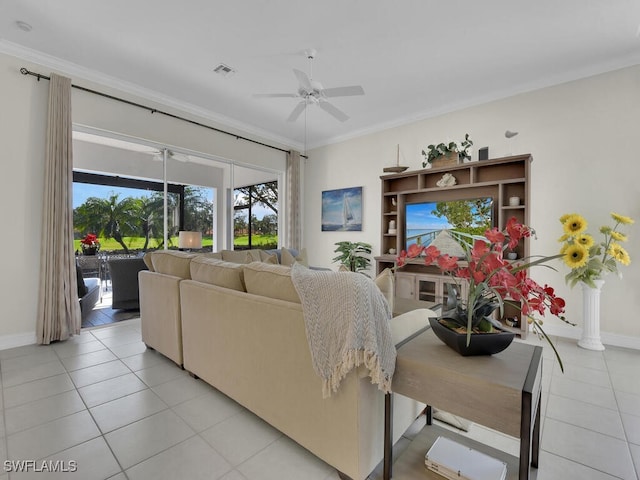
(414, 58)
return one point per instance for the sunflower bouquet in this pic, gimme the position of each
(587, 259)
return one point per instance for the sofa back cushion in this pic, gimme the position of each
(147, 261)
(216, 255)
(239, 256)
(218, 272)
(173, 263)
(270, 280)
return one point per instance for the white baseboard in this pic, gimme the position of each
(17, 340)
(613, 339)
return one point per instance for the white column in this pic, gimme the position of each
(591, 317)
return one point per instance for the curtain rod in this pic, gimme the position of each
(24, 71)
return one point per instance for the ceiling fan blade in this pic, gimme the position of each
(275, 95)
(343, 91)
(303, 80)
(334, 111)
(297, 111)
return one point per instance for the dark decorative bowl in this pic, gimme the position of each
(480, 344)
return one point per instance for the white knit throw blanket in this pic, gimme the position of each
(347, 324)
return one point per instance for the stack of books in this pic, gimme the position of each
(457, 462)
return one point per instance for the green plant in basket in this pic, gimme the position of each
(435, 151)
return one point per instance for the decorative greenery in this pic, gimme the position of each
(435, 151)
(353, 255)
(587, 259)
(492, 282)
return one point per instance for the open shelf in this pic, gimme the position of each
(500, 179)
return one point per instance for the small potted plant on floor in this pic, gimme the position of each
(353, 256)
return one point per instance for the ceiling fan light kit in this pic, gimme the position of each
(311, 92)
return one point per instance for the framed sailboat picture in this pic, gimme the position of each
(342, 210)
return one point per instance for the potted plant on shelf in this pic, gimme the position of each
(451, 153)
(353, 256)
(90, 244)
(492, 283)
(590, 262)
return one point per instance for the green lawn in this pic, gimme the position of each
(260, 241)
(136, 243)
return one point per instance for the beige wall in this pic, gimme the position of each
(583, 138)
(22, 135)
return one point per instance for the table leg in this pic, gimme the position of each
(535, 441)
(525, 436)
(388, 437)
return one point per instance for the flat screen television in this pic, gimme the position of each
(438, 222)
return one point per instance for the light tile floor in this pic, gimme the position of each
(123, 412)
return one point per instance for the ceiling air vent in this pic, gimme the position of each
(224, 70)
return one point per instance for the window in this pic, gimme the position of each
(255, 218)
(127, 214)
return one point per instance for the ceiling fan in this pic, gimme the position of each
(311, 92)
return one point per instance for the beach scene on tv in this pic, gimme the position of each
(446, 224)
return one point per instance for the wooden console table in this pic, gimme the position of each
(499, 391)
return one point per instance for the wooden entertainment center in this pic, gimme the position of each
(502, 179)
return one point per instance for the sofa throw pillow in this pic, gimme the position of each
(384, 281)
(271, 258)
(218, 272)
(171, 262)
(268, 280)
(289, 257)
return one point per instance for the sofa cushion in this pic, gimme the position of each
(170, 262)
(266, 257)
(268, 280)
(289, 257)
(147, 261)
(240, 256)
(218, 272)
(216, 255)
(384, 281)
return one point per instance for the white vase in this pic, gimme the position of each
(591, 317)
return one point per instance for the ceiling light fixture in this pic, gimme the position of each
(24, 26)
(224, 70)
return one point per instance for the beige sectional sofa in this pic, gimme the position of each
(240, 328)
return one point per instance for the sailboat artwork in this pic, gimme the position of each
(347, 214)
(342, 210)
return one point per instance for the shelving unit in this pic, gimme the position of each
(500, 178)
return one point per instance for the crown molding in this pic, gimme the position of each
(77, 72)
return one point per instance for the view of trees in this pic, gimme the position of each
(119, 218)
(260, 230)
(468, 216)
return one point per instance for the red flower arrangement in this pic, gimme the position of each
(492, 282)
(90, 241)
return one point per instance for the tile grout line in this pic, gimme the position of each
(624, 430)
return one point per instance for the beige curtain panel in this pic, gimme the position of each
(58, 305)
(293, 234)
